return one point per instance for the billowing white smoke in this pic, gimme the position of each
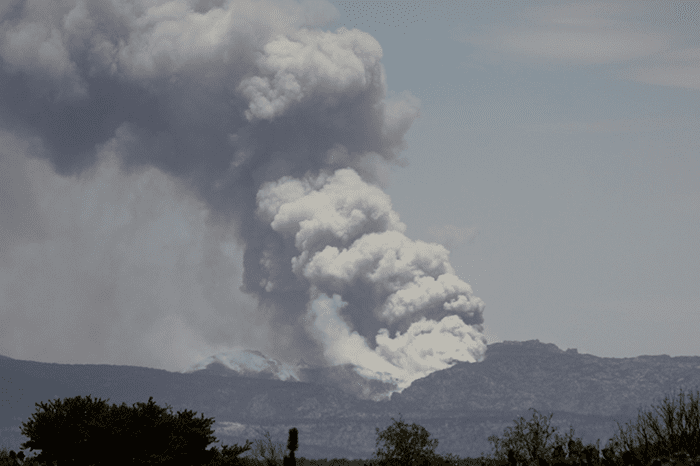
(349, 239)
(284, 132)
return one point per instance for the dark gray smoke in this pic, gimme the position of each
(282, 129)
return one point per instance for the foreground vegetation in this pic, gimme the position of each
(84, 432)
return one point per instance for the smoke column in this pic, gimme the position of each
(364, 279)
(283, 130)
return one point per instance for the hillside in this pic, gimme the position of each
(461, 406)
(519, 375)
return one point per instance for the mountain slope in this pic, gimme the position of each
(461, 406)
(247, 363)
(520, 375)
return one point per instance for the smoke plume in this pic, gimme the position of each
(283, 130)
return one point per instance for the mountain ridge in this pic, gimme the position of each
(461, 405)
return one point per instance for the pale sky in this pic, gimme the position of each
(559, 149)
(555, 154)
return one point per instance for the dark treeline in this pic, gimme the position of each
(84, 432)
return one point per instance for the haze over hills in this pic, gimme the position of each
(250, 363)
(461, 406)
(244, 362)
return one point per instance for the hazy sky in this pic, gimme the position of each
(559, 149)
(552, 147)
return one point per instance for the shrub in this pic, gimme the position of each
(672, 429)
(405, 445)
(269, 452)
(72, 431)
(529, 441)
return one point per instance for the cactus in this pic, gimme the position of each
(292, 446)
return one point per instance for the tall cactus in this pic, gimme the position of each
(292, 445)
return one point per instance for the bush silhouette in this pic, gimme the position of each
(558, 456)
(591, 455)
(86, 432)
(671, 432)
(575, 451)
(529, 441)
(405, 445)
(74, 431)
(269, 452)
(11, 458)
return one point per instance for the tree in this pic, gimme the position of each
(271, 453)
(558, 456)
(405, 445)
(84, 432)
(148, 434)
(61, 430)
(591, 455)
(671, 430)
(292, 446)
(529, 441)
(229, 455)
(575, 449)
(609, 454)
(10, 458)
